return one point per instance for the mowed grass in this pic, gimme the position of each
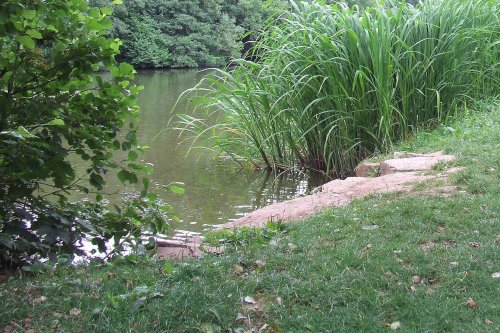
(426, 267)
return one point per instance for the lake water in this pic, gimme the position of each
(217, 191)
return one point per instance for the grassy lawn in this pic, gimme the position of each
(413, 263)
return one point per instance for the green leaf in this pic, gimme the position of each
(122, 176)
(132, 155)
(106, 11)
(168, 268)
(60, 13)
(135, 89)
(96, 180)
(125, 176)
(94, 12)
(7, 75)
(29, 14)
(27, 41)
(135, 166)
(126, 146)
(176, 189)
(117, 2)
(34, 33)
(114, 46)
(152, 197)
(115, 71)
(56, 122)
(94, 24)
(124, 84)
(136, 222)
(126, 69)
(23, 132)
(131, 136)
(51, 28)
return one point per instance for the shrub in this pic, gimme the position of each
(55, 111)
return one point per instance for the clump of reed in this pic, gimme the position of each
(330, 85)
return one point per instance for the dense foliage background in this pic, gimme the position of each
(192, 33)
(187, 33)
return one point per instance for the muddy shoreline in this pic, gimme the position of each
(400, 174)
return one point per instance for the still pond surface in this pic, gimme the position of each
(217, 191)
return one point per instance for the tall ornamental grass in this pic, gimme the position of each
(328, 86)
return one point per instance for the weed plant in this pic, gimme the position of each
(244, 236)
(330, 85)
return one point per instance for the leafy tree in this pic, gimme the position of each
(253, 15)
(188, 33)
(193, 33)
(56, 111)
(147, 46)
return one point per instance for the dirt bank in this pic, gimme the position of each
(400, 174)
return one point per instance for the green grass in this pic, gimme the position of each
(321, 275)
(333, 85)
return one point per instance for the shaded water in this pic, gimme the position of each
(216, 190)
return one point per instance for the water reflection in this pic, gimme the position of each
(275, 188)
(217, 191)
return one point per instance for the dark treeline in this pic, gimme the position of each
(192, 33)
(187, 33)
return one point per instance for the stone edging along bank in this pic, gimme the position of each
(398, 174)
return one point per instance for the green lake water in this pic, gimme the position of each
(217, 191)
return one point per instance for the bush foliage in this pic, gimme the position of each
(56, 111)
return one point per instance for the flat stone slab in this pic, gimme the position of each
(188, 248)
(367, 170)
(335, 193)
(404, 154)
(417, 163)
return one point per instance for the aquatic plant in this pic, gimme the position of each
(330, 85)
